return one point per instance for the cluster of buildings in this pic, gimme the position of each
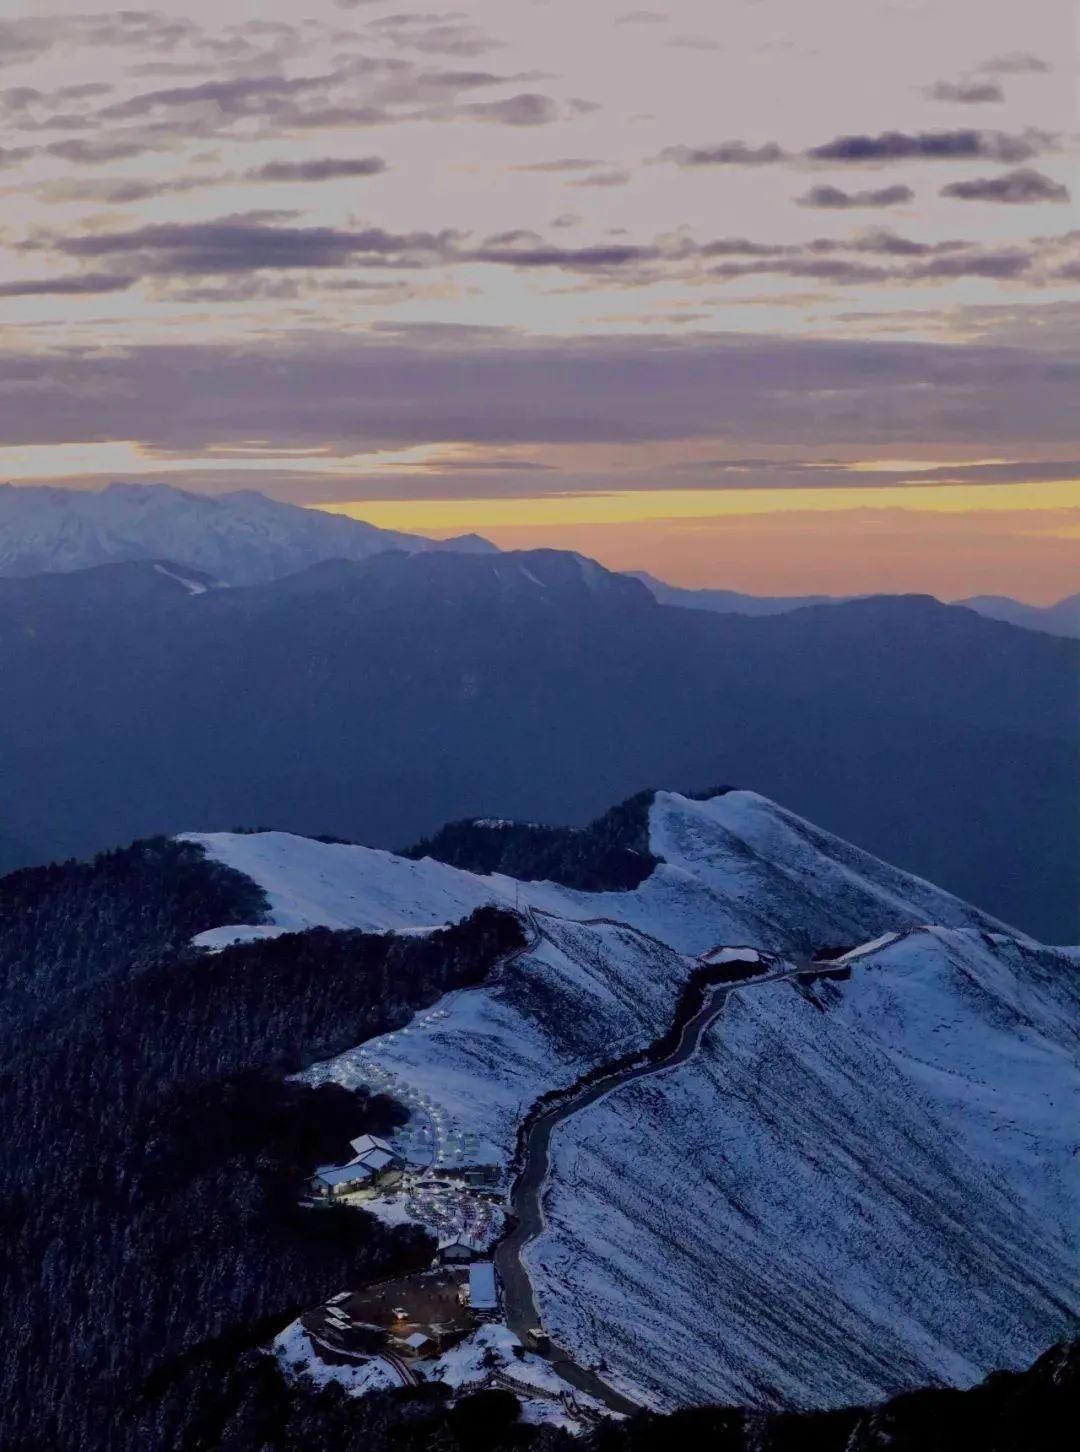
(408, 1318)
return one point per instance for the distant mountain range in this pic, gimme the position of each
(728, 602)
(1060, 619)
(242, 538)
(245, 538)
(376, 700)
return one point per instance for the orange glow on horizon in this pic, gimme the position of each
(630, 506)
(844, 545)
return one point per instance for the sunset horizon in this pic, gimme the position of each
(540, 732)
(449, 272)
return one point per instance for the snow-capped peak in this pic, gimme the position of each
(238, 539)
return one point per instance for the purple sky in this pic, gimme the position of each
(523, 248)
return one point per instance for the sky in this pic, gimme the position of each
(769, 295)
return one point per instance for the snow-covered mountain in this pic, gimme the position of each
(241, 538)
(860, 1182)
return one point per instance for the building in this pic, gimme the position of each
(419, 1345)
(375, 1164)
(483, 1177)
(483, 1292)
(333, 1181)
(460, 1249)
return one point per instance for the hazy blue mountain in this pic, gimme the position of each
(727, 602)
(232, 539)
(380, 699)
(1060, 619)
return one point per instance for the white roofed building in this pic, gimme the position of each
(483, 1291)
(375, 1163)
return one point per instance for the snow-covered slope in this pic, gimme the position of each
(735, 868)
(241, 538)
(584, 994)
(856, 1188)
(859, 1183)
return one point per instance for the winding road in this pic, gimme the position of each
(527, 1195)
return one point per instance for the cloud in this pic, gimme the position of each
(1008, 262)
(232, 245)
(642, 17)
(119, 190)
(572, 259)
(318, 169)
(766, 472)
(269, 241)
(450, 34)
(564, 163)
(727, 153)
(24, 39)
(1025, 184)
(356, 90)
(247, 288)
(526, 109)
(960, 145)
(834, 199)
(98, 150)
(232, 97)
(824, 269)
(694, 42)
(612, 177)
(348, 392)
(1014, 63)
(969, 93)
(896, 259)
(89, 283)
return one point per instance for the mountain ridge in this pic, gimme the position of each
(912, 1075)
(1061, 618)
(380, 699)
(741, 1194)
(235, 538)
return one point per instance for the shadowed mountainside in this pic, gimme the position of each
(377, 700)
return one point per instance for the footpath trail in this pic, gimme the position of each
(526, 1200)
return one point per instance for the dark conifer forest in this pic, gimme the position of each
(154, 1148)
